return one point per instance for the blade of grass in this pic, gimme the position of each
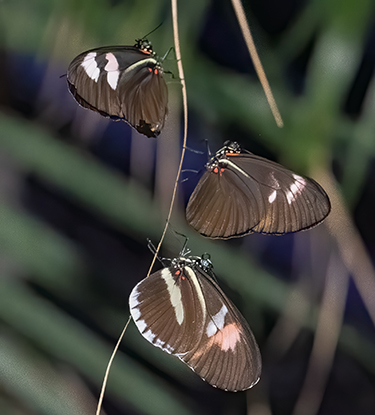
(64, 338)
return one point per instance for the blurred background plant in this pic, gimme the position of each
(80, 195)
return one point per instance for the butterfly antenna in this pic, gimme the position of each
(152, 31)
(168, 52)
(153, 250)
(187, 171)
(190, 171)
(193, 151)
(184, 251)
(208, 148)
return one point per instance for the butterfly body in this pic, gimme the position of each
(123, 83)
(241, 193)
(182, 310)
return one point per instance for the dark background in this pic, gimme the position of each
(80, 195)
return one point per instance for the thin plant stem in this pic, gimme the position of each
(352, 249)
(184, 102)
(241, 17)
(326, 338)
(104, 384)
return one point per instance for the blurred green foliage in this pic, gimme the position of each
(40, 342)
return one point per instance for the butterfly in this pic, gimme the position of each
(182, 310)
(241, 193)
(123, 83)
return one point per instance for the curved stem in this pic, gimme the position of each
(241, 17)
(184, 103)
(104, 384)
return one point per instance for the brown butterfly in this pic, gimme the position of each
(123, 83)
(182, 310)
(241, 193)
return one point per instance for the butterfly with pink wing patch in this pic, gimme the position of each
(241, 193)
(122, 83)
(182, 310)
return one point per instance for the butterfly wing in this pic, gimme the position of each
(167, 311)
(247, 193)
(291, 202)
(222, 206)
(186, 314)
(146, 93)
(227, 355)
(121, 82)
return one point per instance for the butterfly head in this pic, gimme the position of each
(229, 147)
(204, 262)
(145, 46)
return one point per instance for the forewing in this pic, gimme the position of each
(93, 77)
(167, 311)
(227, 355)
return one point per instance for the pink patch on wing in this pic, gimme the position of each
(112, 64)
(227, 337)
